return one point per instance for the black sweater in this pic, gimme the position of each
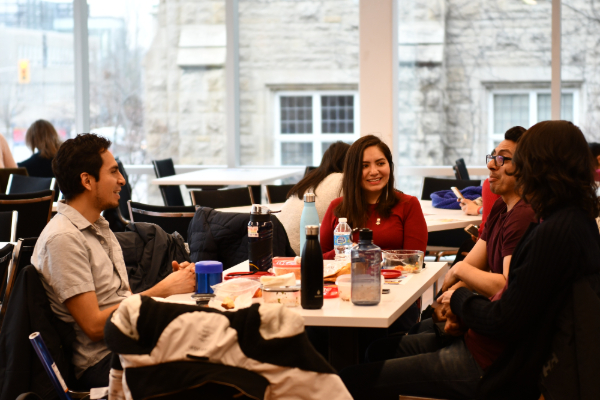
(549, 258)
(38, 166)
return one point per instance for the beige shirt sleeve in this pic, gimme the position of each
(6, 159)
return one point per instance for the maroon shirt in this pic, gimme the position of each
(504, 233)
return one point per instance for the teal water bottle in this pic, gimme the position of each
(309, 217)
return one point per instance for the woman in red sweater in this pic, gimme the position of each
(369, 200)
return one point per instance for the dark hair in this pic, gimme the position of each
(332, 161)
(514, 134)
(595, 149)
(553, 169)
(41, 135)
(354, 204)
(76, 156)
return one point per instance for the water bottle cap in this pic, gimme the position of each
(312, 230)
(209, 267)
(259, 209)
(365, 234)
(309, 197)
(342, 220)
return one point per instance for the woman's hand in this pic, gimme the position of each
(445, 298)
(469, 207)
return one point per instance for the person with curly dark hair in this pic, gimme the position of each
(515, 329)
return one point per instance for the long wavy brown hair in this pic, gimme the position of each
(554, 169)
(332, 161)
(354, 205)
(41, 135)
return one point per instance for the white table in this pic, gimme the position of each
(344, 317)
(229, 176)
(437, 219)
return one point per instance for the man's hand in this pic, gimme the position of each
(451, 277)
(439, 313)
(177, 266)
(453, 326)
(445, 297)
(469, 207)
(181, 281)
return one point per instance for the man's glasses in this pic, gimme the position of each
(498, 160)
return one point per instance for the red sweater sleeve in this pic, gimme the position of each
(328, 225)
(415, 227)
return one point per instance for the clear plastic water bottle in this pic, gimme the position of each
(342, 240)
(309, 216)
(366, 271)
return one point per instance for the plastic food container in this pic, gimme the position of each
(235, 288)
(407, 261)
(288, 296)
(286, 269)
(344, 284)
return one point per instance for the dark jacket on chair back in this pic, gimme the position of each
(29, 311)
(220, 236)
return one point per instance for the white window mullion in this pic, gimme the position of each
(532, 109)
(317, 134)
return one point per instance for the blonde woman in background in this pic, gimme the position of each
(6, 158)
(42, 136)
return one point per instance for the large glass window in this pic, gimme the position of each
(36, 69)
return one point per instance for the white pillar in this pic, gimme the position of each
(378, 60)
(556, 62)
(232, 77)
(82, 66)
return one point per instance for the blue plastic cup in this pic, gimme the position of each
(208, 273)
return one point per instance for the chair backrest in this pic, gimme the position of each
(18, 184)
(431, 185)
(35, 210)
(171, 193)
(21, 258)
(461, 171)
(170, 219)
(8, 226)
(5, 173)
(6, 257)
(308, 170)
(278, 193)
(125, 190)
(222, 198)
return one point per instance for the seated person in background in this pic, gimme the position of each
(509, 337)
(79, 259)
(6, 158)
(325, 182)
(42, 136)
(369, 200)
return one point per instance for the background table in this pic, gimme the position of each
(229, 176)
(437, 219)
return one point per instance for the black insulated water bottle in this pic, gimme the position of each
(311, 267)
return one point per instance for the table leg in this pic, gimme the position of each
(343, 347)
(435, 289)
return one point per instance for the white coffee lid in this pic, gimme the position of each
(342, 220)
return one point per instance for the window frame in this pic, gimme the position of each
(317, 137)
(533, 98)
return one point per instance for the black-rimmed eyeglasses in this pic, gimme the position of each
(498, 160)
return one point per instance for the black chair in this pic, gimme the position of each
(125, 191)
(35, 210)
(447, 242)
(170, 219)
(21, 258)
(460, 169)
(308, 170)
(278, 193)
(6, 256)
(18, 184)
(5, 173)
(222, 198)
(8, 226)
(171, 193)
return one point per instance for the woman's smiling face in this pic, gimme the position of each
(375, 171)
